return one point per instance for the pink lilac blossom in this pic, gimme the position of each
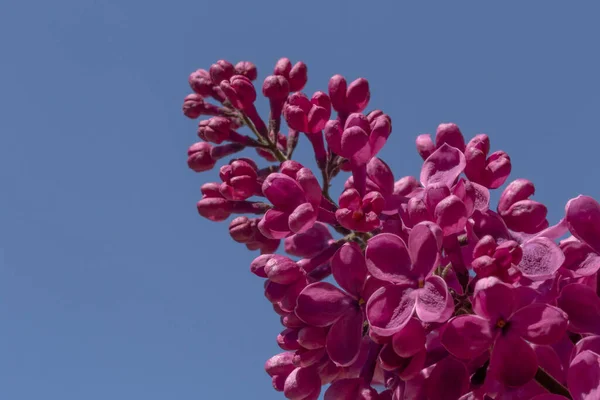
(402, 289)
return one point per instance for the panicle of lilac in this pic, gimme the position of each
(433, 295)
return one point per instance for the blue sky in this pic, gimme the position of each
(111, 285)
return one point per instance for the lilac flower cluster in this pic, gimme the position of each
(402, 289)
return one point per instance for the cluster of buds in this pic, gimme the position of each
(404, 288)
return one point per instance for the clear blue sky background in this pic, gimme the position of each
(111, 285)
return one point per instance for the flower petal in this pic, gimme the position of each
(444, 165)
(424, 244)
(513, 361)
(345, 337)
(301, 383)
(583, 377)
(321, 304)
(302, 218)
(493, 299)
(349, 268)
(583, 219)
(582, 305)
(591, 343)
(388, 259)
(539, 323)
(466, 336)
(541, 258)
(451, 215)
(283, 191)
(274, 224)
(434, 302)
(350, 389)
(448, 380)
(410, 339)
(389, 309)
(310, 185)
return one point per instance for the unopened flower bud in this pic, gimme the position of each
(201, 83)
(195, 106)
(276, 87)
(348, 99)
(282, 270)
(214, 208)
(240, 91)
(220, 71)
(215, 129)
(451, 134)
(247, 69)
(297, 76)
(240, 229)
(200, 158)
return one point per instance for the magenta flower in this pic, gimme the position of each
(307, 115)
(322, 304)
(491, 259)
(583, 219)
(309, 243)
(580, 259)
(201, 82)
(360, 214)
(247, 69)
(195, 106)
(245, 230)
(239, 179)
(434, 295)
(215, 207)
(360, 138)
(348, 99)
(295, 197)
(448, 133)
(295, 75)
(491, 171)
(500, 324)
(355, 388)
(220, 129)
(220, 71)
(518, 212)
(584, 369)
(443, 166)
(582, 305)
(413, 288)
(203, 156)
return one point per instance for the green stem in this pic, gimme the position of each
(550, 384)
(264, 140)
